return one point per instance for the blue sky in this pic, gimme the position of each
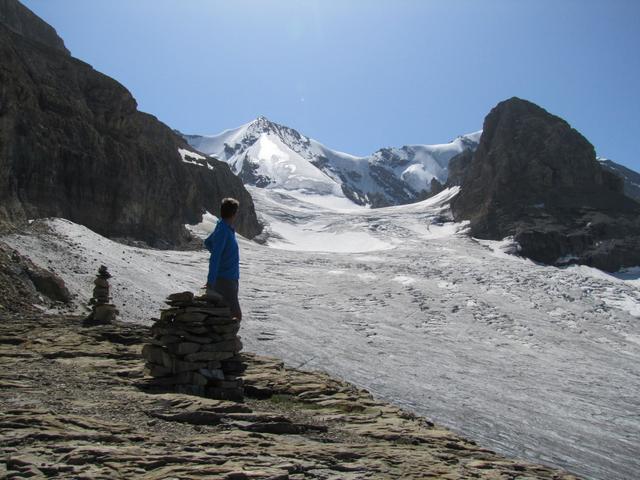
(363, 74)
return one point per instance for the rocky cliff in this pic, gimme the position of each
(630, 179)
(23, 21)
(537, 179)
(74, 145)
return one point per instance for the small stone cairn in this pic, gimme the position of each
(102, 312)
(195, 348)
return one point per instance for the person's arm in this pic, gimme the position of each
(215, 244)
(208, 242)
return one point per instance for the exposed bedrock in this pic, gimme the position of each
(537, 179)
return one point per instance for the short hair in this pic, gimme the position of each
(229, 207)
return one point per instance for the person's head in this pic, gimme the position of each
(229, 209)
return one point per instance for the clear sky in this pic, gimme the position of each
(358, 75)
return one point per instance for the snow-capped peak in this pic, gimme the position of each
(271, 155)
(262, 125)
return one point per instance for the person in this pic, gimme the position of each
(224, 264)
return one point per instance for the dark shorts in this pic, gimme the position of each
(229, 290)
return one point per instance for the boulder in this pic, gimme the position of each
(48, 283)
(180, 297)
(38, 279)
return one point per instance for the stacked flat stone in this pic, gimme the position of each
(195, 348)
(102, 311)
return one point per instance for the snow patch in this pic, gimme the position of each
(625, 302)
(367, 276)
(314, 238)
(505, 248)
(205, 227)
(188, 155)
(194, 158)
(329, 201)
(403, 279)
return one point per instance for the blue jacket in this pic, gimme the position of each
(225, 258)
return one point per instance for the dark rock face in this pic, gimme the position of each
(23, 21)
(630, 179)
(537, 179)
(436, 188)
(458, 167)
(392, 186)
(74, 145)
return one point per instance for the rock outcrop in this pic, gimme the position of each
(27, 281)
(630, 178)
(74, 145)
(458, 167)
(23, 21)
(537, 179)
(195, 348)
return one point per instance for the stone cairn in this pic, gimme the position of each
(102, 311)
(195, 347)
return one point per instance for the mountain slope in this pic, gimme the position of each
(74, 145)
(266, 154)
(630, 178)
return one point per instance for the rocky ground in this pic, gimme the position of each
(74, 403)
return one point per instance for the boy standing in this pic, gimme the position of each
(224, 264)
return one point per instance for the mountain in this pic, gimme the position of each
(537, 179)
(74, 145)
(266, 154)
(19, 19)
(630, 179)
